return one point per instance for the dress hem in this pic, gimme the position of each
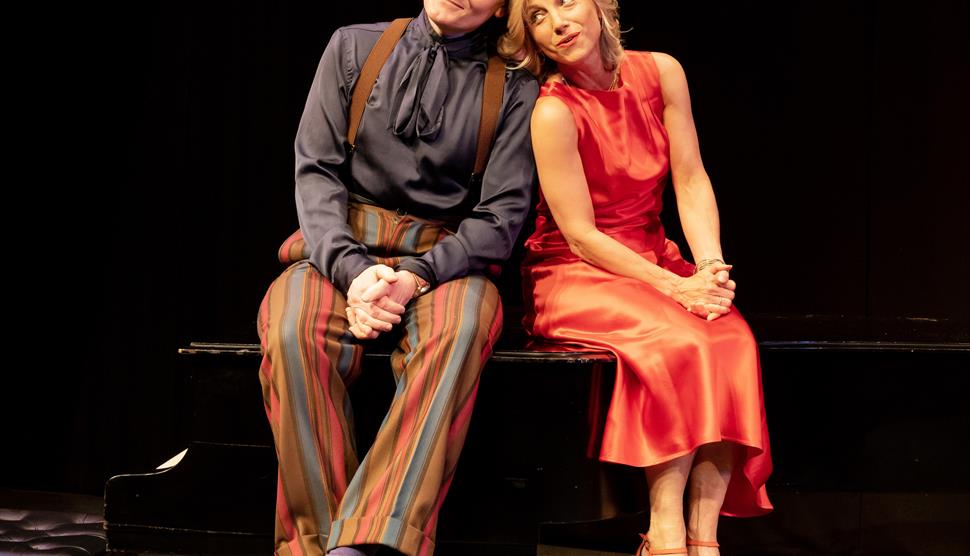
(744, 443)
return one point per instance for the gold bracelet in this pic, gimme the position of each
(704, 263)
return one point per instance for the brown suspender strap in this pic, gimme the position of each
(492, 93)
(491, 105)
(368, 74)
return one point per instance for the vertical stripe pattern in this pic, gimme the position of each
(325, 498)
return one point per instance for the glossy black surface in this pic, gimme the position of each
(222, 489)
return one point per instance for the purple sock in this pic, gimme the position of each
(360, 550)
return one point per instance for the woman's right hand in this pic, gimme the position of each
(707, 294)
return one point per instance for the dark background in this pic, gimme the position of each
(151, 184)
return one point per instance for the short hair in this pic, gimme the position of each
(517, 44)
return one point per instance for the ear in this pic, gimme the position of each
(502, 10)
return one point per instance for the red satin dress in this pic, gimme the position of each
(681, 381)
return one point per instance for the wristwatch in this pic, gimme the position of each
(422, 285)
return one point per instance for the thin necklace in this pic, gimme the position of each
(616, 78)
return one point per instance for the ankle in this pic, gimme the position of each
(667, 536)
(702, 534)
(706, 546)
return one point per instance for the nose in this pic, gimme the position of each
(559, 24)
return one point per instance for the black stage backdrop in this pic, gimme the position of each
(153, 147)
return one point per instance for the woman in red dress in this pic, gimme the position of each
(608, 130)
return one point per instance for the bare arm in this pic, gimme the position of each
(564, 187)
(563, 183)
(695, 195)
(696, 204)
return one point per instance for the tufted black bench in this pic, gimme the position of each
(29, 526)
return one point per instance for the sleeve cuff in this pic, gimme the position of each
(419, 267)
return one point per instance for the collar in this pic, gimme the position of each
(473, 44)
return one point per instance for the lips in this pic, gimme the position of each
(568, 40)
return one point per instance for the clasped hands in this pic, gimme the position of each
(709, 293)
(376, 300)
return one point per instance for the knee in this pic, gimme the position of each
(480, 312)
(687, 340)
(742, 338)
(287, 322)
(489, 298)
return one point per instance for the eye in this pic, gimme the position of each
(536, 17)
(567, 2)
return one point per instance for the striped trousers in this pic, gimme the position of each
(326, 496)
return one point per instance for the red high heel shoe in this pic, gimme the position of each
(709, 544)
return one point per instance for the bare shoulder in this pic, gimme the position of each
(551, 112)
(667, 65)
(673, 80)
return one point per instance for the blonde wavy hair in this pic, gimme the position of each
(517, 44)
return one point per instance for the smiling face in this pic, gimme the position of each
(457, 17)
(566, 31)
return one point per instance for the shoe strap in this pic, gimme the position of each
(711, 544)
(659, 551)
